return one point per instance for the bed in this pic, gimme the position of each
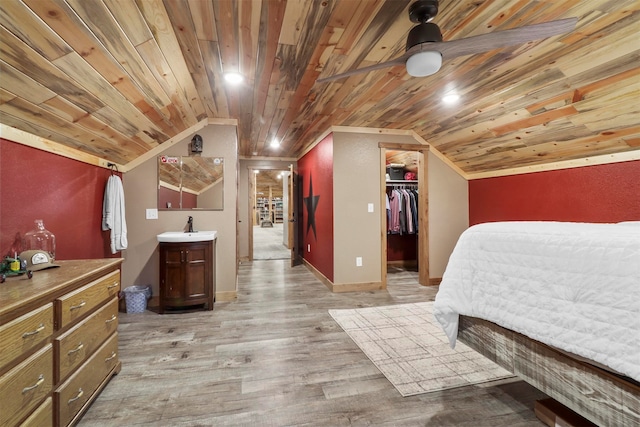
(556, 303)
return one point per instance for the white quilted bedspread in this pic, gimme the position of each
(573, 286)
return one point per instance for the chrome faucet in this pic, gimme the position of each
(190, 223)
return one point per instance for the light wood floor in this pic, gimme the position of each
(268, 242)
(275, 357)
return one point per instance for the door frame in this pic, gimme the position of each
(423, 207)
(252, 199)
(293, 209)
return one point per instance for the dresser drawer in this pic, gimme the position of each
(73, 347)
(41, 417)
(71, 396)
(76, 304)
(25, 386)
(24, 333)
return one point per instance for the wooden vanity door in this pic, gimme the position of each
(197, 281)
(186, 274)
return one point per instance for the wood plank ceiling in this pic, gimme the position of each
(116, 78)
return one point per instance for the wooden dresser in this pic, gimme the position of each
(58, 341)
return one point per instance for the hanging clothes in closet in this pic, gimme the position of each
(402, 210)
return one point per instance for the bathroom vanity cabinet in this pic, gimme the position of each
(58, 341)
(187, 275)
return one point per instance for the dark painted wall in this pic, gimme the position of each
(166, 196)
(66, 194)
(315, 170)
(602, 193)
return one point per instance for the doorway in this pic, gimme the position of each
(413, 159)
(268, 239)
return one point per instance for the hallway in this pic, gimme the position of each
(275, 357)
(268, 242)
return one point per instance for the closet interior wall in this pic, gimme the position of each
(402, 212)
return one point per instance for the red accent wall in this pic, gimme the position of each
(66, 194)
(167, 195)
(402, 247)
(602, 193)
(189, 201)
(317, 165)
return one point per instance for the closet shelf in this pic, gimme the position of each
(402, 181)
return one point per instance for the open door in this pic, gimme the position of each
(294, 229)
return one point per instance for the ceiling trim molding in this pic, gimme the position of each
(168, 143)
(398, 146)
(354, 129)
(320, 137)
(268, 159)
(20, 137)
(441, 156)
(604, 159)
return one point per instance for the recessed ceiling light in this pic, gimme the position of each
(233, 78)
(451, 98)
(275, 143)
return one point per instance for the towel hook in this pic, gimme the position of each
(113, 167)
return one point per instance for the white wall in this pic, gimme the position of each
(448, 213)
(356, 183)
(141, 265)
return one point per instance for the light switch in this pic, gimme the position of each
(359, 261)
(152, 213)
(370, 207)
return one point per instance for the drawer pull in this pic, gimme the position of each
(110, 358)
(75, 307)
(36, 385)
(115, 285)
(39, 329)
(75, 350)
(78, 396)
(113, 317)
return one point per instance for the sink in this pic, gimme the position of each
(182, 237)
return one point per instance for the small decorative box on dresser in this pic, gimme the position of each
(58, 341)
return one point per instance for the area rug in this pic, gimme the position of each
(408, 346)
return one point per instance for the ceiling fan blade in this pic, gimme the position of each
(397, 61)
(498, 39)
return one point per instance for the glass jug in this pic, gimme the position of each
(41, 239)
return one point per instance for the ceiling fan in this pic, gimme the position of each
(425, 49)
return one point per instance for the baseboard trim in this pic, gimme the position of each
(435, 281)
(226, 296)
(318, 275)
(344, 287)
(359, 287)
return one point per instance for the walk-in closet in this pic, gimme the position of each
(402, 200)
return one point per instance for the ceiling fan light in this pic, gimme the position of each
(424, 64)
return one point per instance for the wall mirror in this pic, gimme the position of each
(186, 183)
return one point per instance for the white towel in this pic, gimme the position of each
(113, 214)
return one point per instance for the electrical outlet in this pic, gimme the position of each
(370, 207)
(358, 261)
(308, 248)
(152, 213)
